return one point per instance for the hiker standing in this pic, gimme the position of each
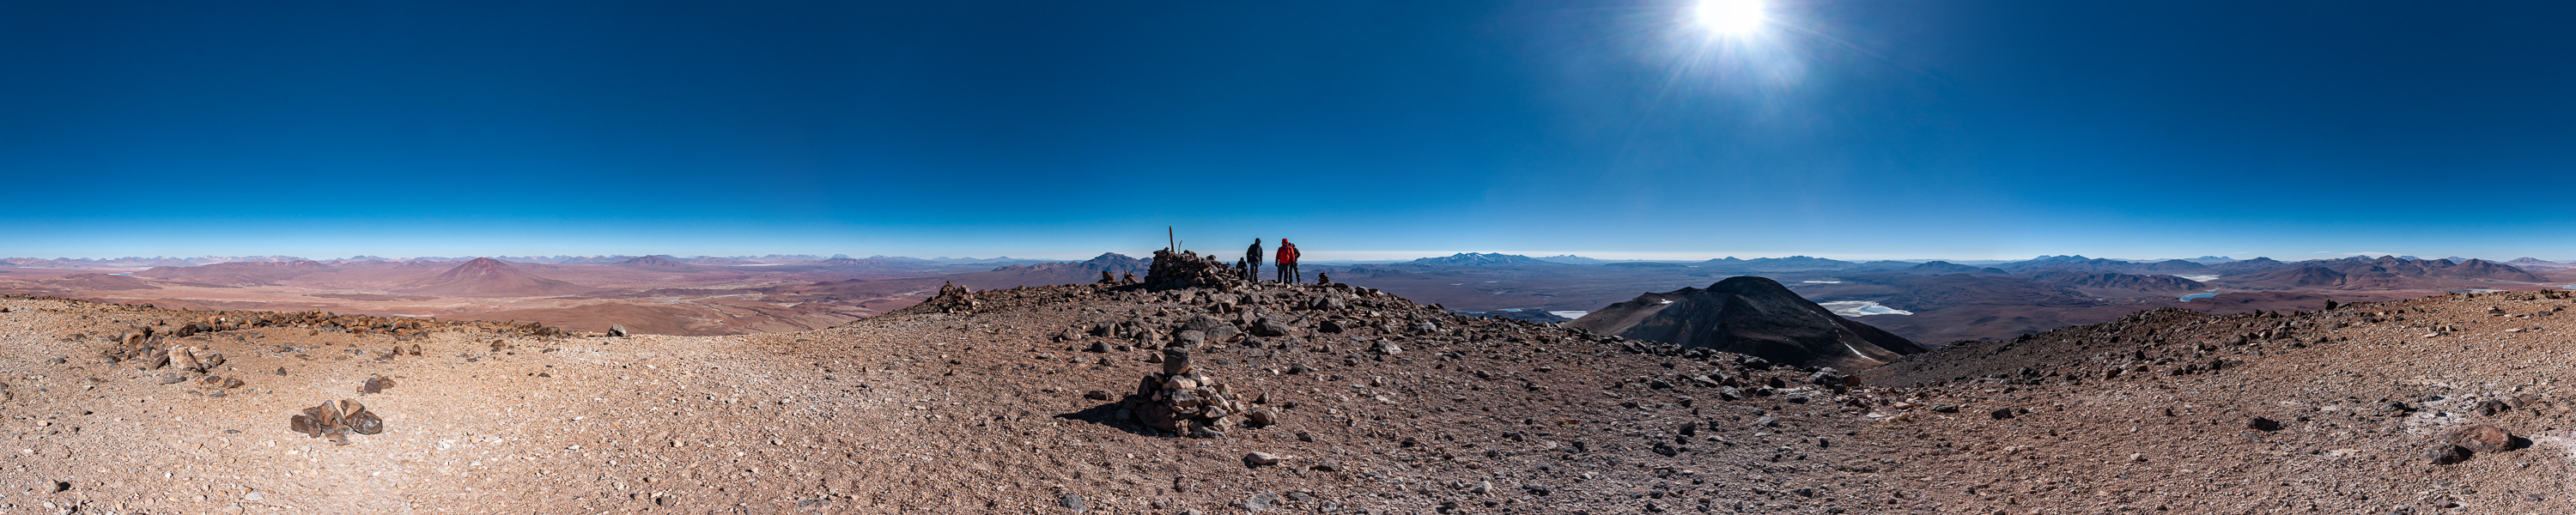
(1288, 262)
(1252, 261)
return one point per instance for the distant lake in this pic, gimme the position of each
(1860, 308)
(1570, 314)
(2201, 278)
(2187, 298)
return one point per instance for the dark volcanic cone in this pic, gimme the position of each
(1751, 315)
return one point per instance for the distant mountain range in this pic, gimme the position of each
(1063, 272)
(1474, 259)
(2404, 268)
(659, 263)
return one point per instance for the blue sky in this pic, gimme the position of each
(1959, 129)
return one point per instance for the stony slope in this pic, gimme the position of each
(2178, 412)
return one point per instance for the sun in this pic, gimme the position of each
(1730, 17)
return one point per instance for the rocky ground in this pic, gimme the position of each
(1326, 399)
(2349, 410)
(1005, 400)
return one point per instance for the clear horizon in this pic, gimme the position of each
(1314, 256)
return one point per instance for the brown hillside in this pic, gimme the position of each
(487, 277)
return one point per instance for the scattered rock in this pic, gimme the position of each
(2263, 424)
(1071, 501)
(185, 358)
(376, 384)
(617, 331)
(1256, 459)
(1271, 326)
(2446, 454)
(2490, 407)
(1260, 502)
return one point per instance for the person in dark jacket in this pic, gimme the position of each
(1288, 263)
(1252, 261)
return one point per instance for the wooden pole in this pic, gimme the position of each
(1175, 242)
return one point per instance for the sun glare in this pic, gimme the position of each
(1730, 17)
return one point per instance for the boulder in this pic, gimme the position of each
(1214, 328)
(376, 384)
(2482, 438)
(1272, 326)
(2446, 454)
(185, 358)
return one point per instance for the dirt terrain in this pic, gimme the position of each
(651, 294)
(1028, 400)
(938, 408)
(2336, 411)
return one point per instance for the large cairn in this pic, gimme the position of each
(1186, 269)
(953, 299)
(1182, 401)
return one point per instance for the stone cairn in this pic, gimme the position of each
(1186, 269)
(335, 420)
(953, 299)
(1182, 401)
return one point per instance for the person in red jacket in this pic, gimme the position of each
(1288, 263)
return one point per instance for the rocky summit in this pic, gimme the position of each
(1194, 390)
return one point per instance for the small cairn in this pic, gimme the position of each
(1184, 402)
(335, 420)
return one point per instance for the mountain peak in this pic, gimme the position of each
(1751, 315)
(487, 277)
